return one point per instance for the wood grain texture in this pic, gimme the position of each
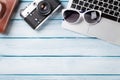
(57, 46)
(59, 65)
(49, 29)
(59, 77)
(54, 53)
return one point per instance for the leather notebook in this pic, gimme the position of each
(6, 10)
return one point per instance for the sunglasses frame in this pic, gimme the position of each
(81, 15)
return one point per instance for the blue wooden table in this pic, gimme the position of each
(53, 53)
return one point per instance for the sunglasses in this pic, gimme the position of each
(75, 16)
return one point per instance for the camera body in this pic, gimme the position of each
(36, 13)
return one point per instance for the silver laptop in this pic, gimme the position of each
(107, 29)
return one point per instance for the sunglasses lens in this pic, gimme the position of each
(71, 16)
(92, 16)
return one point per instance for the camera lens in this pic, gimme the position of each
(44, 7)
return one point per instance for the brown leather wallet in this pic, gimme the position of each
(6, 9)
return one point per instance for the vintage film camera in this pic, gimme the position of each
(36, 13)
(6, 9)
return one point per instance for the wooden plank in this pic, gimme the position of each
(22, 5)
(59, 65)
(52, 28)
(59, 77)
(57, 46)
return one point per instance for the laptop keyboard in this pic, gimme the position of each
(110, 8)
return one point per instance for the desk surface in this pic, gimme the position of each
(54, 53)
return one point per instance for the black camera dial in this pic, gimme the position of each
(44, 8)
